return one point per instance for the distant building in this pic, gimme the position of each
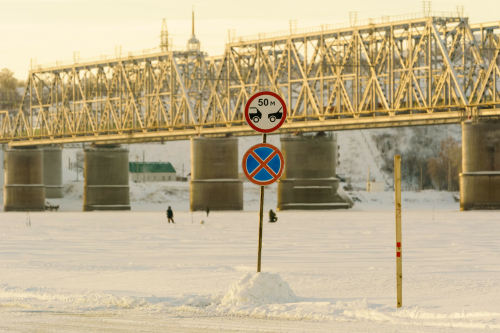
(375, 187)
(152, 171)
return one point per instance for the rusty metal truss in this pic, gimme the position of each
(417, 71)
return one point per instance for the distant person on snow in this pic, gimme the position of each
(170, 215)
(272, 216)
(208, 211)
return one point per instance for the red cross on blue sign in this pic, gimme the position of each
(263, 164)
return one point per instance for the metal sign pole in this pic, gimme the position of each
(261, 217)
(399, 259)
(263, 164)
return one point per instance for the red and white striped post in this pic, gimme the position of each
(399, 259)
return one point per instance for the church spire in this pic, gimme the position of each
(164, 37)
(193, 43)
(192, 21)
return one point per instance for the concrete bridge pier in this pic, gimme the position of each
(106, 176)
(24, 189)
(2, 165)
(52, 172)
(214, 175)
(309, 179)
(480, 177)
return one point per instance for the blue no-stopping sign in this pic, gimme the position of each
(263, 164)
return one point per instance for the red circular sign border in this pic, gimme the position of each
(248, 153)
(247, 106)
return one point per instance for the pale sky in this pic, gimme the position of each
(51, 30)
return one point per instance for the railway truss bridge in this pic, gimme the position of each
(413, 70)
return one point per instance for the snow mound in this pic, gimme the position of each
(261, 288)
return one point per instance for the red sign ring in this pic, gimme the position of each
(263, 164)
(278, 97)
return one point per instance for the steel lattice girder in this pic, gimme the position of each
(415, 72)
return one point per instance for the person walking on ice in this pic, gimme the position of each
(208, 211)
(170, 215)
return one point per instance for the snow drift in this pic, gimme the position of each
(260, 288)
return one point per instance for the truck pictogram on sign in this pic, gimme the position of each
(265, 112)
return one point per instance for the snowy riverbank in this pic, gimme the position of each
(146, 197)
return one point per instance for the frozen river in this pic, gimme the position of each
(134, 272)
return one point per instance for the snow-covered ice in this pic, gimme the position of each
(322, 271)
(259, 288)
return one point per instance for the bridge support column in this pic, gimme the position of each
(24, 189)
(2, 165)
(309, 179)
(214, 175)
(480, 177)
(106, 179)
(52, 172)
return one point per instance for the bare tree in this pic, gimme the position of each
(431, 157)
(444, 168)
(9, 98)
(7, 79)
(79, 163)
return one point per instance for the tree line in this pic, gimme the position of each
(10, 97)
(431, 156)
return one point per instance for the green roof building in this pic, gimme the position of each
(151, 172)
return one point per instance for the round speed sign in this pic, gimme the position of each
(265, 112)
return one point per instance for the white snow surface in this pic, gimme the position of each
(322, 271)
(259, 288)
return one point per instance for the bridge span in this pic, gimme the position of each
(404, 71)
